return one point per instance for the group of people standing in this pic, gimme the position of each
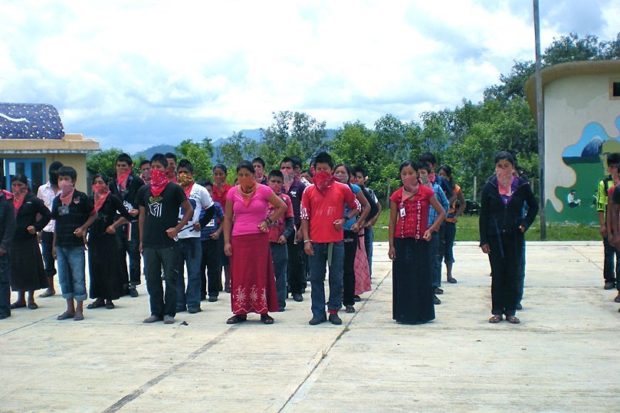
(268, 233)
(166, 223)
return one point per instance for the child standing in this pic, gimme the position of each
(212, 251)
(278, 234)
(73, 212)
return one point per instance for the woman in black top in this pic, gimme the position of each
(104, 254)
(27, 273)
(502, 228)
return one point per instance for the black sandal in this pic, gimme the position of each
(495, 318)
(237, 319)
(512, 319)
(266, 319)
(96, 304)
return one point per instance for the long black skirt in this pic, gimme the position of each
(104, 263)
(412, 285)
(27, 272)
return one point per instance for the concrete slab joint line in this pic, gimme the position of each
(308, 378)
(151, 383)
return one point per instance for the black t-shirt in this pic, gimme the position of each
(615, 197)
(70, 217)
(162, 212)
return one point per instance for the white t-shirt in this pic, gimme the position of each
(200, 199)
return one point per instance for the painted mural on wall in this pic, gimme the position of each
(587, 158)
(29, 121)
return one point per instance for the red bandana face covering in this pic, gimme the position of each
(66, 192)
(101, 192)
(18, 200)
(121, 180)
(323, 180)
(159, 180)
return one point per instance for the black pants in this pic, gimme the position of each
(610, 271)
(156, 260)
(348, 274)
(505, 257)
(211, 267)
(296, 268)
(49, 264)
(130, 247)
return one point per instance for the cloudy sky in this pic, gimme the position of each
(135, 74)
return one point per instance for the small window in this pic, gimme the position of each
(615, 89)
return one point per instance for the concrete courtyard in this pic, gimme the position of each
(564, 356)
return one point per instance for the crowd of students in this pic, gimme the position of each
(269, 234)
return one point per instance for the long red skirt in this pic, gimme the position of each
(252, 279)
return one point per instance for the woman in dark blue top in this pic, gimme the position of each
(502, 228)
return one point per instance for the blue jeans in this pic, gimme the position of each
(435, 254)
(369, 238)
(610, 271)
(279, 256)
(317, 277)
(5, 285)
(71, 272)
(190, 252)
(450, 235)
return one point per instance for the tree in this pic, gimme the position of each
(199, 154)
(292, 133)
(103, 162)
(237, 148)
(353, 144)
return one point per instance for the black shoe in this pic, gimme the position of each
(436, 300)
(298, 297)
(316, 320)
(357, 298)
(133, 292)
(617, 299)
(266, 319)
(334, 319)
(519, 307)
(212, 298)
(96, 304)
(237, 319)
(609, 285)
(349, 309)
(452, 280)
(194, 310)
(181, 309)
(438, 291)
(3, 316)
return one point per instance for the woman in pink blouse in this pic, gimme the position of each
(412, 286)
(246, 242)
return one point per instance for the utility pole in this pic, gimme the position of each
(540, 123)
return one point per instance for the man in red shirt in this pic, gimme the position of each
(322, 218)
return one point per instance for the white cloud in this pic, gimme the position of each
(144, 71)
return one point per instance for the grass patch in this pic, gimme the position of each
(467, 230)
